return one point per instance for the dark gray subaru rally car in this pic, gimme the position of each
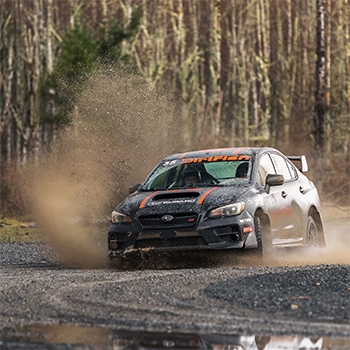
(220, 199)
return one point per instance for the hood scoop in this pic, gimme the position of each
(176, 195)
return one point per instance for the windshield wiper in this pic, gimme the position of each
(197, 185)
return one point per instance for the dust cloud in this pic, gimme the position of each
(336, 222)
(121, 129)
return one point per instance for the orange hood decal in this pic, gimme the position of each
(200, 200)
(205, 194)
(143, 203)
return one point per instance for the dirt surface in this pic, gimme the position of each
(300, 292)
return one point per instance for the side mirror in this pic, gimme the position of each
(273, 180)
(134, 188)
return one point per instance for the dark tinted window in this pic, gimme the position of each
(265, 167)
(281, 166)
(292, 170)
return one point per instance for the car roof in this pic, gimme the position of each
(220, 152)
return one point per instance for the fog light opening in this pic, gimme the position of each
(235, 237)
(113, 244)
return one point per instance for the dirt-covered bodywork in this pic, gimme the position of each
(220, 199)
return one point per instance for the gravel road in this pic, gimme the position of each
(296, 293)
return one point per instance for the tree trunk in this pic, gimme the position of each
(328, 31)
(320, 107)
(217, 40)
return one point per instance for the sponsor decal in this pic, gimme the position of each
(174, 201)
(251, 199)
(148, 203)
(170, 163)
(213, 159)
(245, 221)
(210, 159)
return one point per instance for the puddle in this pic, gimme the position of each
(74, 337)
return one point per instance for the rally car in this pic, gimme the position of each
(227, 198)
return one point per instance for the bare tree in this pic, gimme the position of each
(320, 111)
(217, 40)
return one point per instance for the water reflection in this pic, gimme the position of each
(73, 337)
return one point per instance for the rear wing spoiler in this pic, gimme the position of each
(302, 160)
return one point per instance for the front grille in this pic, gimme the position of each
(180, 220)
(171, 242)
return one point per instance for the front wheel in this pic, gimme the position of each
(263, 234)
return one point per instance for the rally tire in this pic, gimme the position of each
(312, 233)
(263, 234)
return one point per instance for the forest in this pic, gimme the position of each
(233, 73)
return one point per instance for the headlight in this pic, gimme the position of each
(228, 210)
(118, 218)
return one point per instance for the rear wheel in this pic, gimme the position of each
(263, 234)
(312, 234)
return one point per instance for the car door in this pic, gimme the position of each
(289, 210)
(278, 199)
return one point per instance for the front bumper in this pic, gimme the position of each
(220, 233)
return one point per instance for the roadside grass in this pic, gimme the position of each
(17, 230)
(23, 230)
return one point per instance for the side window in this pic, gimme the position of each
(281, 166)
(292, 170)
(265, 167)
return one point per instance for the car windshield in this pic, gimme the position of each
(200, 172)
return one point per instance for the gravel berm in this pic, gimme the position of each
(312, 300)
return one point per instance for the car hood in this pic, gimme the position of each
(193, 199)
